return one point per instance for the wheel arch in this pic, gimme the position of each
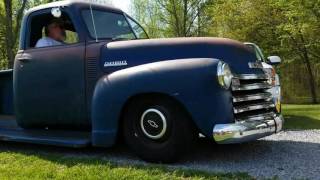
(190, 82)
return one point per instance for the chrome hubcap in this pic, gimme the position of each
(153, 124)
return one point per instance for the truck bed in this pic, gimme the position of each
(6, 92)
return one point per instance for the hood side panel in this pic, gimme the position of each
(137, 52)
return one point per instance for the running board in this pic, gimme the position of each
(47, 137)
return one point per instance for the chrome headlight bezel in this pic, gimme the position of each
(224, 75)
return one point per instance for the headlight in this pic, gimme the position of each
(224, 75)
(271, 72)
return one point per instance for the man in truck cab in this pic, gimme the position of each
(55, 34)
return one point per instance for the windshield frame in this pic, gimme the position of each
(89, 35)
(132, 19)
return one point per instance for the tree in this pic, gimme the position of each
(288, 28)
(148, 15)
(181, 16)
(300, 32)
(172, 18)
(13, 16)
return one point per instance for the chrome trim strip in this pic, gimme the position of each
(279, 123)
(258, 117)
(6, 71)
(252, 97)
(253, 86)
(251, 107)
(251, 76)
(246, 131)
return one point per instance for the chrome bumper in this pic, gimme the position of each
(246, 130)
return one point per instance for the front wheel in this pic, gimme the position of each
(158, 130)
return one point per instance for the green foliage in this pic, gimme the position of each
(172, 18)
(147, 14)
(3, 56)
(294, 84)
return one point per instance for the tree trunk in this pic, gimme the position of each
(199, 19)
(185, 17)
(12, 33)
(311, 79)
(9, 33)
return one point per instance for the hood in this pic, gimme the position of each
(124, 54)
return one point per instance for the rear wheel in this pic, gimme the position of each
(158, 130)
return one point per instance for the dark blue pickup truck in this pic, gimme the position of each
(108, 81)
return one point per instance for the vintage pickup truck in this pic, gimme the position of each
(108, 81)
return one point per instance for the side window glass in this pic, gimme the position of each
(48, 31)
(71, 37)
(258, 55)
(138, 30)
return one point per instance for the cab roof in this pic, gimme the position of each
(77, 4)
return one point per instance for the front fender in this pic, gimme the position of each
(192, 82)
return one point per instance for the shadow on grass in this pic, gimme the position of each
(301, 122)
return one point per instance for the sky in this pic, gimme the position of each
(122, 4)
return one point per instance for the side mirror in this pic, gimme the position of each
(274, 60)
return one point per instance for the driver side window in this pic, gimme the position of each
(71, 37)
(62, 31)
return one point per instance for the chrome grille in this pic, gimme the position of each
(251, 99)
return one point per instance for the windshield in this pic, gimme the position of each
(257, 51)
(108, 25)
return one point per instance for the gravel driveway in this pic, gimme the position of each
(287, 155)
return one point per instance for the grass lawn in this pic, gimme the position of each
(22, 165)
(301, 116)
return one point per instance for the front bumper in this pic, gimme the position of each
(244, 131)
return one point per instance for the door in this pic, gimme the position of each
(50, 87)
(49, 82)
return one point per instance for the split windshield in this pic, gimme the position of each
(109, 26)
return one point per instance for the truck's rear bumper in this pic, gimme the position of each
(246, 131)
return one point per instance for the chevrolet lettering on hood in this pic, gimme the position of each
(115, 63)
